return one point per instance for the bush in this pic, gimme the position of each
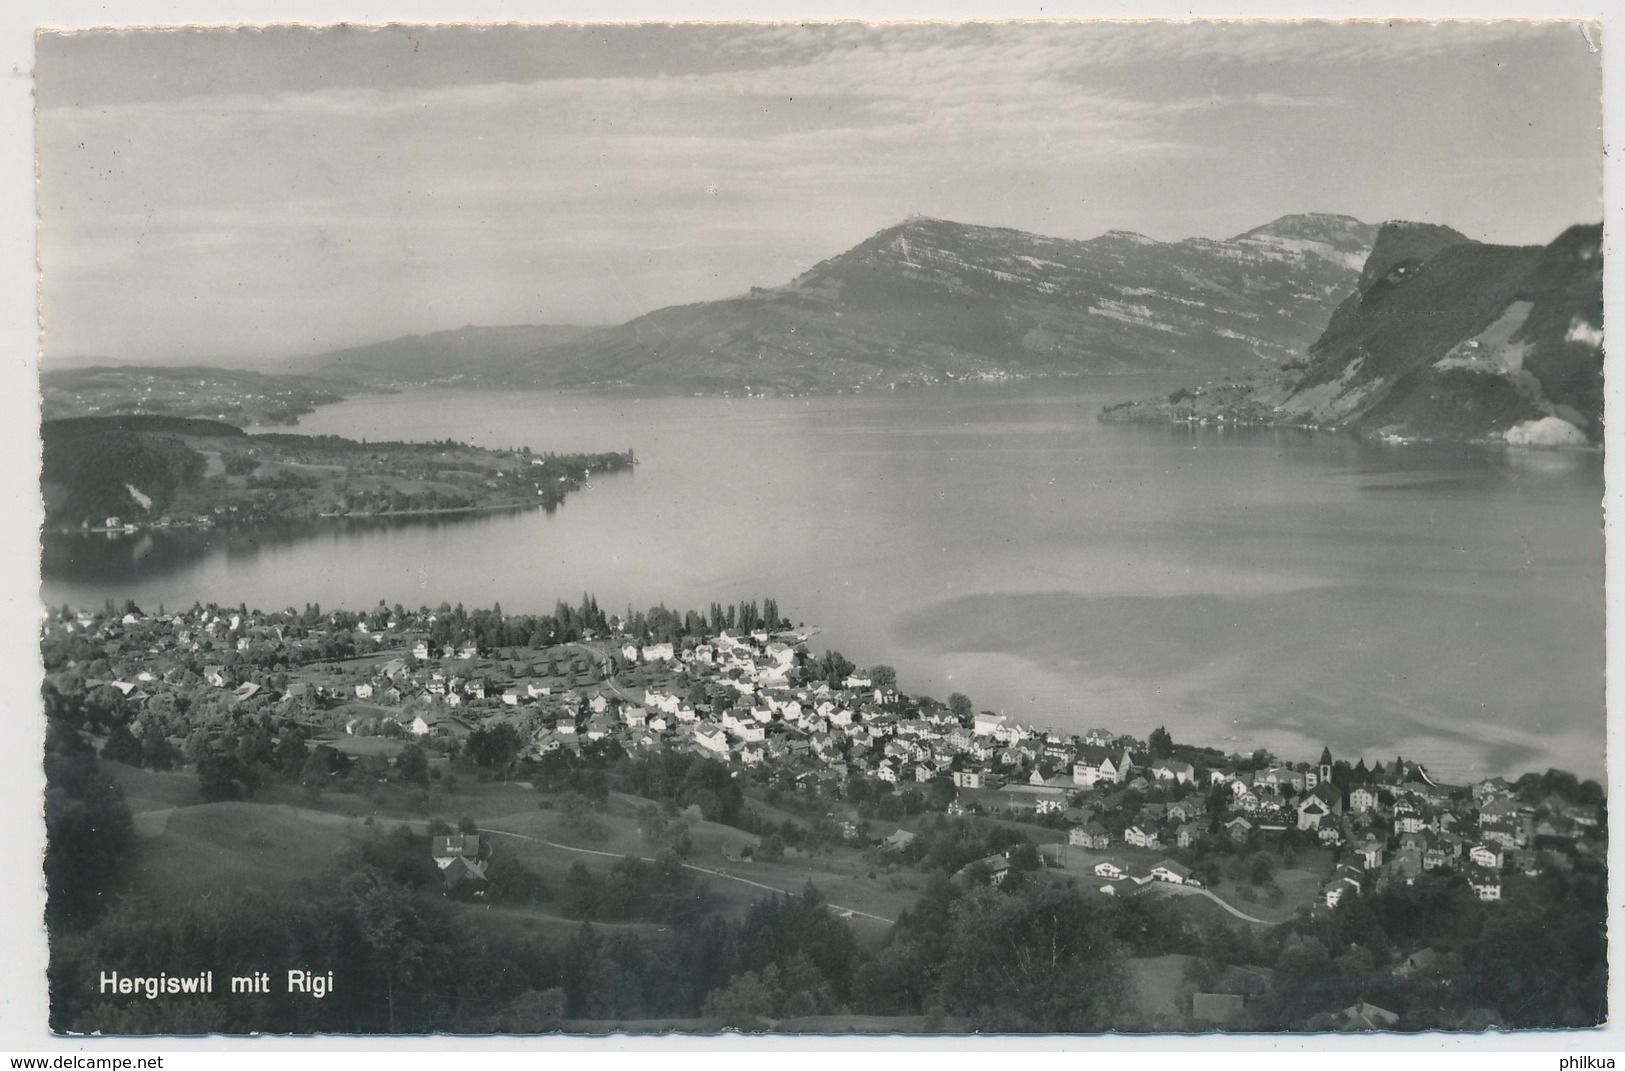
(534, 1012)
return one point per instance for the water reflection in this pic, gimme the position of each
(128, 557)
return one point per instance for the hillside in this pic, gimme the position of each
(930, 301)
(93, 469)
(1445, 338)
(1456, 339)
(440, 357)
(236, 396)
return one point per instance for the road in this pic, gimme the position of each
(609, 676)
(845, 912)
(1187, 890)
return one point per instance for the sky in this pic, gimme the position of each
(229, 193)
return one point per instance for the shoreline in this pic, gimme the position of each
(398, 642)
(132, 529)
(1109, 415)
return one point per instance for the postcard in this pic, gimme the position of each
(1046, 528)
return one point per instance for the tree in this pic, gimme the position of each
(1039, 959)
(1304, 982)
(88, 829)
(771, 849)
(581, 893)
(495, 746)
(290, 752)
(396, 936)
(222, 777)
(745, 1000)
(509, 881)
(960, 706)
(157, 753)
(122, 746)
(1161, 743)
(883, 677)
(412, 765)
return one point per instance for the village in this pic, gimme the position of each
(1124, 810)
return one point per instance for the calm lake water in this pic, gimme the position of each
(1244, 588)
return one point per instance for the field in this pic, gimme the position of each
(187, 849)
(288, 833)
(149, 790)
(546, 842)
(359, 746)
(210, 847)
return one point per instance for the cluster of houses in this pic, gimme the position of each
(750, 698)
(211, 642)
(1390, 828)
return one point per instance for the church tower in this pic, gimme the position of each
(1325, 765)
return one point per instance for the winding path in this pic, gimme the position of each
(1187, 890)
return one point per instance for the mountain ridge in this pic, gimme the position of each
(924, 300)
(1445, 338)
(927, 300)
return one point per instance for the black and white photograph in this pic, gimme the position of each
(819, 528)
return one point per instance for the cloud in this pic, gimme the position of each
(666, 145)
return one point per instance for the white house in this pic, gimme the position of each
(1173, 770)
(1097, 764)
(1173, 873)
(1486, 884)
(1110, 868)
(713, 741)
(988, 724)
(1140, 836)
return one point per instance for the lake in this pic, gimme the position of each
(1243, 587)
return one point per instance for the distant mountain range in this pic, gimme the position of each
(441, 357)
(1409, 330)
(930, 301)
(926, 301)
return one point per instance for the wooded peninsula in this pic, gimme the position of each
(125, 473)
